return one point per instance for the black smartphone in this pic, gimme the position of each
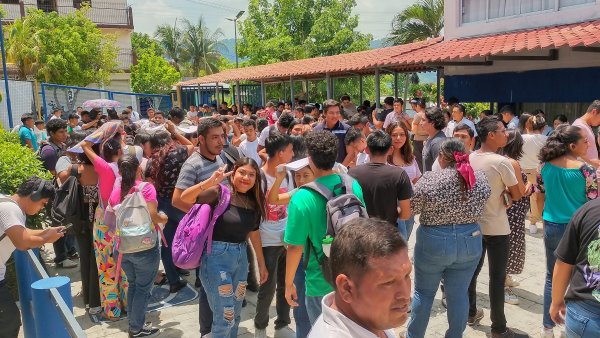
(67, 227)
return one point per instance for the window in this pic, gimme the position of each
(482, 10)
(567, 3)
(13, 2)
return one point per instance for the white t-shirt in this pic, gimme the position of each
(272, 230)
(412, 170)
(10, 215)
(532, 143)
(362, 158)
(250, 149)
(264, 134)
(452, 124)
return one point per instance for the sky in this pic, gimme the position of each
(375, 16)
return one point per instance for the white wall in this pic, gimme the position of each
(453, 28)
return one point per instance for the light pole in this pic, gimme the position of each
(237, 83)
(8, 107)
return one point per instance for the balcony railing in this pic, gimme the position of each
(105, 15)
(125, 59)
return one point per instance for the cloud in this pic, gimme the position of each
(375, 17)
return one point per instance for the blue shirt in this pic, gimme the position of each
(27, 134)
(339, 130)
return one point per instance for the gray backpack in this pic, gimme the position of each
(340, 209)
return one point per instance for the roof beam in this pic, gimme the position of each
(436, 65)
(552, 56)
(586, 49)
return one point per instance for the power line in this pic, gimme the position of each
(214, 5)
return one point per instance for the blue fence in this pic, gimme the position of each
(46, 302)
(68, 98)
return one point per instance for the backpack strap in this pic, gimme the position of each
(320, 189)
(75, 170)
(347, 183)
(224, 199)
(6, 199)
(140, 186)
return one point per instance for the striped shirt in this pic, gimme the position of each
(196, 169)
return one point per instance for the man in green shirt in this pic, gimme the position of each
(307, 220)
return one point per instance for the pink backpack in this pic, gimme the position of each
(195, 231)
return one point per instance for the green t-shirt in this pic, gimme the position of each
(307, 219)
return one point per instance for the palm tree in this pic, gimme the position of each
(20, 48)
(417, 22)
(169, 38)
(201, 47)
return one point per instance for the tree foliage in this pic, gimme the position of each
(64, 49)
(140, 42)
(169, 39)
(283, 30)
(200, 47)
(420, 21)
(153, 74)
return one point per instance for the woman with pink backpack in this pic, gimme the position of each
(224, 268)
(138, 247)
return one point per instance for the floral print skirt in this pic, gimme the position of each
(113, 294)
(516, 219)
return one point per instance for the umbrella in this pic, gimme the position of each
(102, 103)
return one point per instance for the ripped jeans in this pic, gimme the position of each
(224, 274)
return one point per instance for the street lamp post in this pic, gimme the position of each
(237, 83)
(8, 106)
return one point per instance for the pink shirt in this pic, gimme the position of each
(106, 177)
(149, 193)
(592, 151)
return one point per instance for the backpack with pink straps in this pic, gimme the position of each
(195, 231)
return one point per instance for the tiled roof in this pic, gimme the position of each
(417, 56)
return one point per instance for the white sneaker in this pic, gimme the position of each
(511, 282)
(95, 310)
(533, 228)
(510, 297)
(285, 332)
(67, 264)
(547, 332)
(260, 333)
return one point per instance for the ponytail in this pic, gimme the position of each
(128, 167)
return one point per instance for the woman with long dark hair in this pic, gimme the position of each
(163, 169)
(404, 158)
(449, 240)
(140, 267)
(567, 183)
(224, 270)
(516, 216)
(113, 293)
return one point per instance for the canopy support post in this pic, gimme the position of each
(377, 88)
(438, 78)
(263, 93)
(292, 92)
(328, 85)
(396, 85)
(238, 99)
(405, 91)
(360, 88)
(217, 95)
(306, 85)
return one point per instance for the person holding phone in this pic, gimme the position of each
(31, 197)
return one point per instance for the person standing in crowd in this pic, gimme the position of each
(558, 120)
(494, 222)
(576, 268)
(356, 144)
(88, 180)
(113, 292)
(140, 267)
(64, 249)
(458, 117)
(280, 151)
(198, 168)
(432, 124)
(332, 123)
(509, 117)
(566, 183)
(386, 189)
(366, 254)
(448, 245)
(348, 108)
(525, 123)
(379, 115)
(282, 125)
(513, 150)
(307, 221)
(27, 136)
(533, 141)
(134, 116)
(419, 134)
(589, 120)
(249, 146)
(40, 132)
(164, 166)
(398, 115)
(56, 114)
(73, 123)
(224, 270)
(31, 197)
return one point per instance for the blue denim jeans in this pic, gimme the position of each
(553, 233)
(582, 319)
(303, 324)
(175, 215)
(141, 269)
(223, 273)
(450, 252)
(313, 308)
(406, 226)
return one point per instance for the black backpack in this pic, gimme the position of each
(67, 204)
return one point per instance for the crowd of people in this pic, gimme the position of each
(471, 181)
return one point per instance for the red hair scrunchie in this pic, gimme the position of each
(463, 166)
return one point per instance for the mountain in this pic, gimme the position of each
(229, 51)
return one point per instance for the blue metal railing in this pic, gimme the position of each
(46, 302)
